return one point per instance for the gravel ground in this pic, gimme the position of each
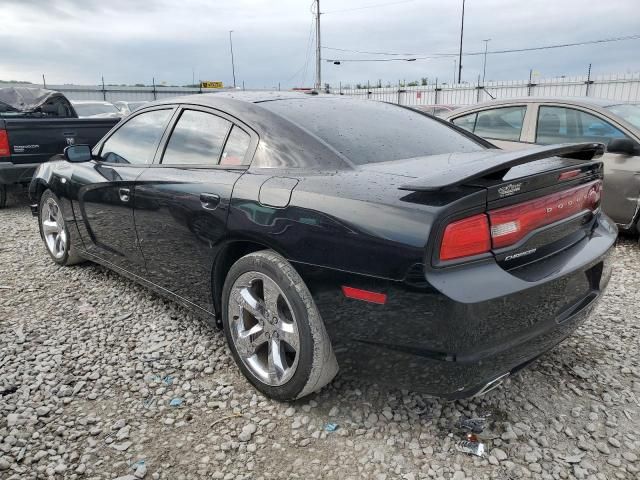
(90, 362)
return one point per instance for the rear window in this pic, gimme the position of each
(369, 132)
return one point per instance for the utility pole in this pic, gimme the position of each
(44, 82)
(460, 55)
(233, 67)
(455, 67)
(484, 66)
(318, 85)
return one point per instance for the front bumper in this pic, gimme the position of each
(465, 327)
(11, 173)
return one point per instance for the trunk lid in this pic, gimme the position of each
(537, 202)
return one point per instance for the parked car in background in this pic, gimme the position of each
(96, 109)
(127, 107)
(437, 110)
(518, 123)
(35, 124)
(320, 230)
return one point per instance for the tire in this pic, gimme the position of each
(3, 196)
(55, 232)
(273, 328)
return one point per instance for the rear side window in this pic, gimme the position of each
(368, 132)
(498, 124)
(562, 125)
(468, 122)
(197, 139)
(236, 148)
(136, 141)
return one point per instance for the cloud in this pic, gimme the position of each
(78, 41)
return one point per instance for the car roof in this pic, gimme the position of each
(274, 129)
(578, 101)
(248, 96)
(87, 102)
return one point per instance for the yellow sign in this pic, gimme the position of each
(204, 84)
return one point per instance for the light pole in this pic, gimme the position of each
(318, 85)
(460, 56)
(233, 67)
(484, 66)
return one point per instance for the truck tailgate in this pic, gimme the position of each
(35, 140)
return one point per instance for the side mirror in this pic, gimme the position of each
(78, 153)
(622, 145)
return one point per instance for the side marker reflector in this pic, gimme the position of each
(364, 295)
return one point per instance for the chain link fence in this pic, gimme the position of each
(617, 87)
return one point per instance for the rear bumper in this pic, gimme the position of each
(464, 327)
(11, 173)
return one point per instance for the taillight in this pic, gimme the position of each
(4, 144)
(511, 224)
(506, 226)
(466, 237)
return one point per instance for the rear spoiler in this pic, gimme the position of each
(492, 166)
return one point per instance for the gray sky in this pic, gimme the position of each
(131, 41)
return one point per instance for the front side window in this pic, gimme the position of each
(568, 125)
(136, 141)
(197, 139)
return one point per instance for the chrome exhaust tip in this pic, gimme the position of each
(495, 383)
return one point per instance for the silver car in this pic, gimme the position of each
(95, 109)
(127, 107)
(518, 123)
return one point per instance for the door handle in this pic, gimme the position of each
(210, 201)
(125, 194)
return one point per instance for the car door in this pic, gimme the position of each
(105, 189)
(182, 201)
(503, 126)
(563, 124)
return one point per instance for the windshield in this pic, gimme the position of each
(630, 113)
(366, 131)
(88, 109)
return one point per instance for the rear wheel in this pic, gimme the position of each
(274, 329)
(3, 195)
(54, 231)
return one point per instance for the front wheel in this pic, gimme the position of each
(54, 231)
(274, 329)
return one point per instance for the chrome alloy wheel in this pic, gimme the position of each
(263, 328)
(55, 235)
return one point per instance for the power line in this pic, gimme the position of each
(431, 56)
(307, 55)
(384, 53)
(369, 6)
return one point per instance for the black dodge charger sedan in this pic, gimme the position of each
(323, 231)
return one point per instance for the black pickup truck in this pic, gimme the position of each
(36, 124)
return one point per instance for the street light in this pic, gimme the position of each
(484, 67)
(233, 67)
